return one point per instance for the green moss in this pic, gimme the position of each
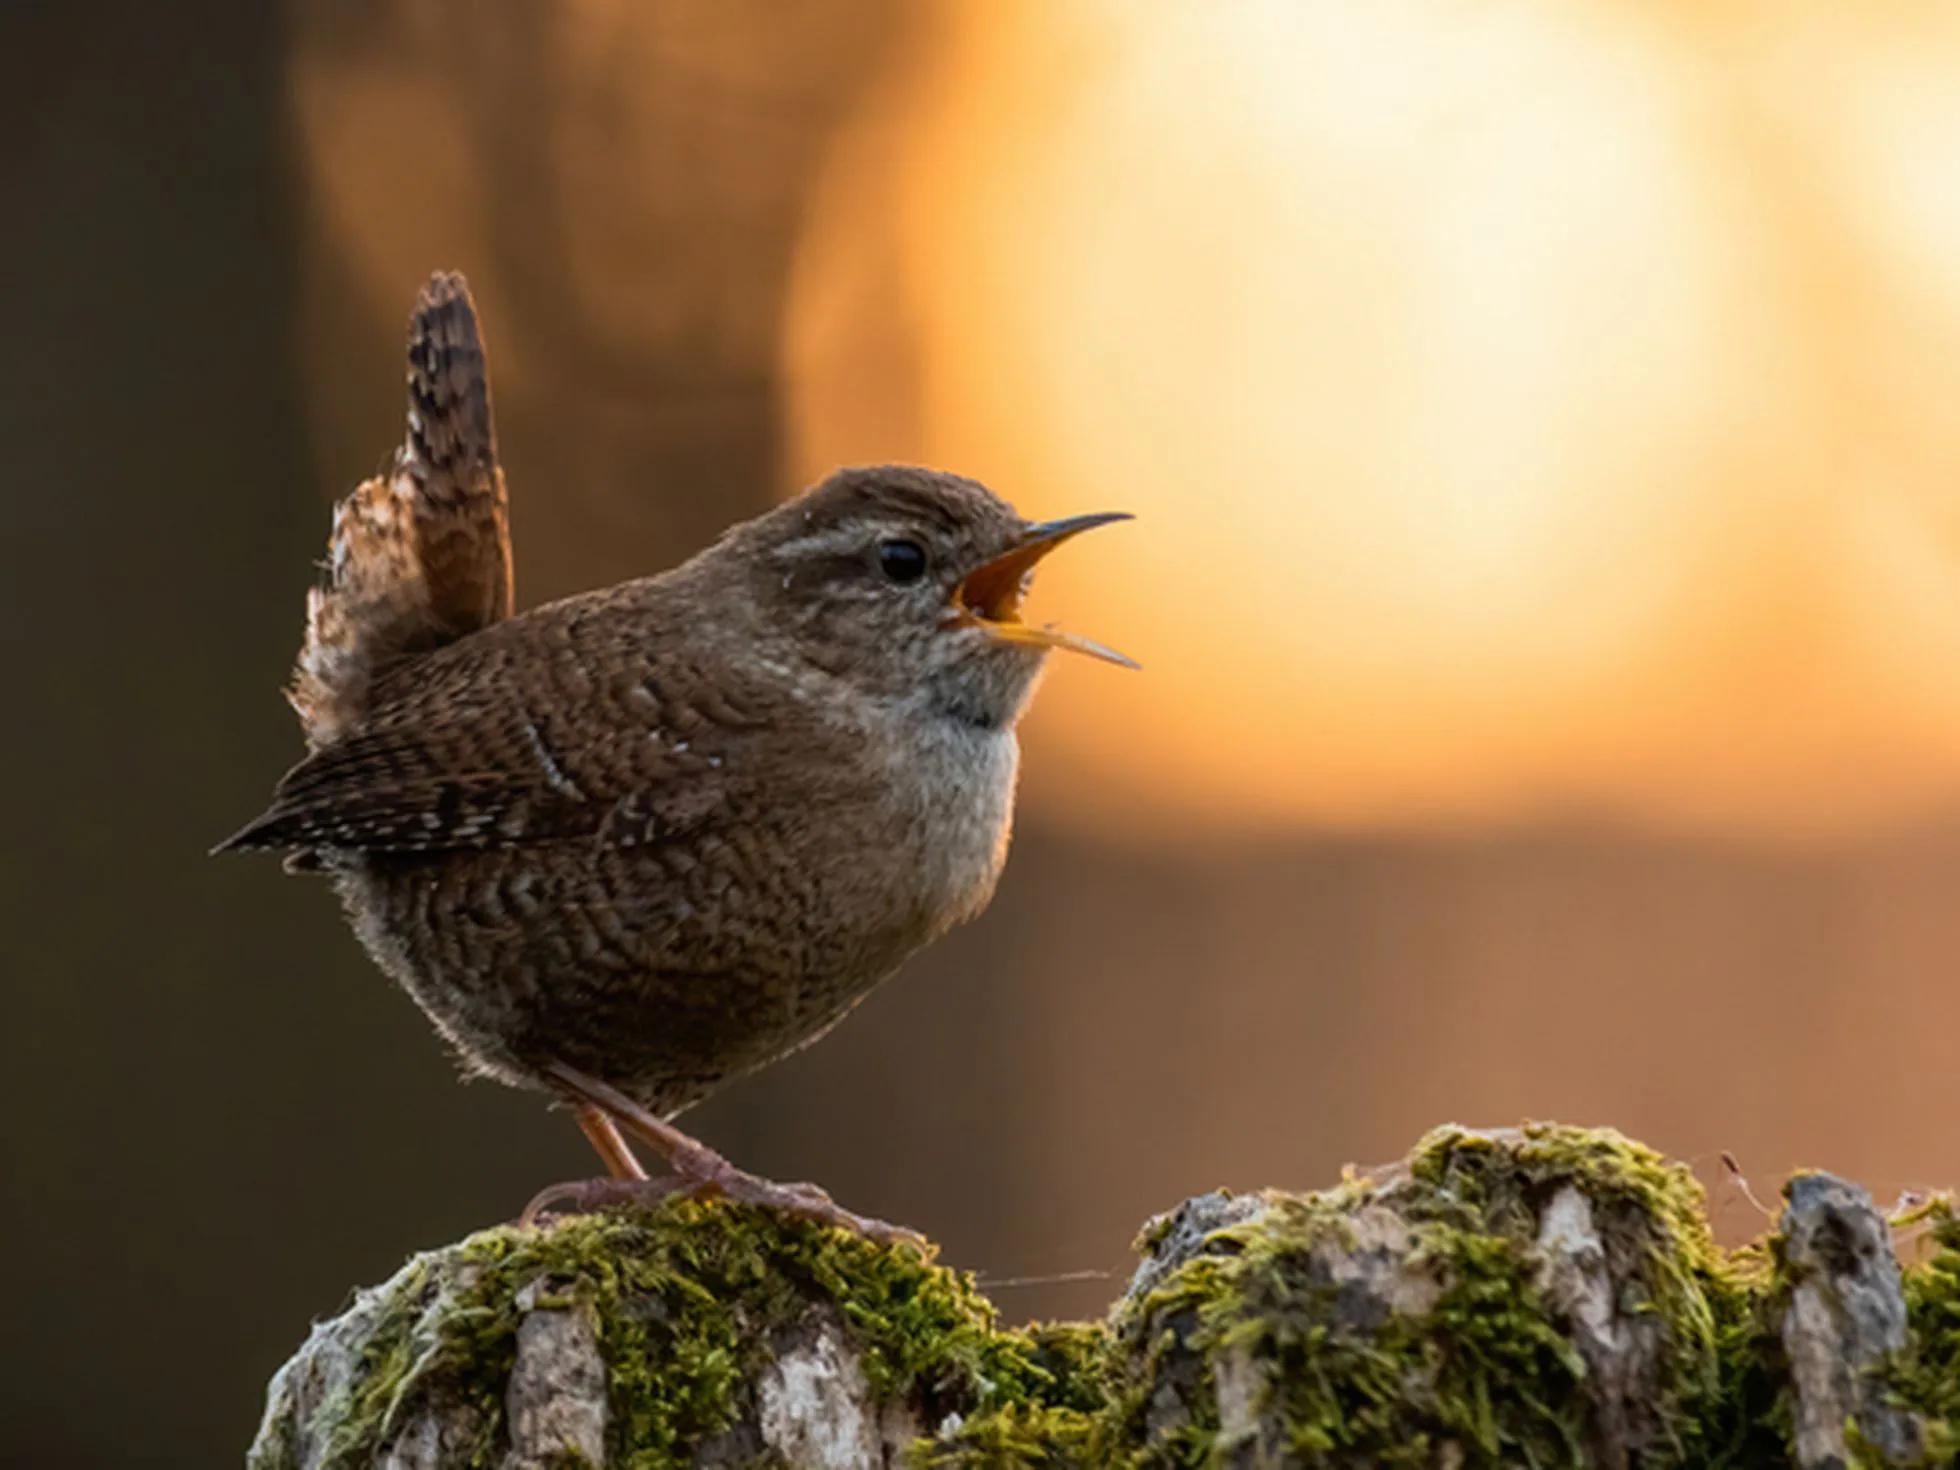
(1012, 1437)
(1044, 1410)
(1746, 1423)
(1469, 1353)
(387, 1359)
(1392, 1322)
(1926, 1377)
(1714, 1395)
(1339, 1377)
(685, 1298)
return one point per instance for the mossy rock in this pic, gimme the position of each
(1541, 1297)
(690, 1334)
(1550, 1297)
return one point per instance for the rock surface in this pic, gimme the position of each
(1546, 1296)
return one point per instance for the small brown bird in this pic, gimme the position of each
(628, 846)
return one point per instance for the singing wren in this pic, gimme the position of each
(628, 846)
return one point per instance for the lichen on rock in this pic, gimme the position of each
(1544, 1296)
(1547, 1296)
(689, 1334)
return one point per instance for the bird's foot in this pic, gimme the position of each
(695, 1171)
(803, 1202)
(707, 1177)
(586, 1196)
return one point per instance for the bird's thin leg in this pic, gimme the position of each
(698, 1170)
(603, 1134)
(685, 1156)
(626, 1179)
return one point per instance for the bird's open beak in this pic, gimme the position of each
(990, 595)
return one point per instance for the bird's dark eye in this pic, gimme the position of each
(902, 561)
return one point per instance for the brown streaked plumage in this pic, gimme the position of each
(627, 846)
(421, 556)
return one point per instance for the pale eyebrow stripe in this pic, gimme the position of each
(836, 540)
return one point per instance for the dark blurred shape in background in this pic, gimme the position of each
(1544, 433)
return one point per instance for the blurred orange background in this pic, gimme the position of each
(1531, 408)
(1543, 427)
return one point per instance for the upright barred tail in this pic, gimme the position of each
(421, 557)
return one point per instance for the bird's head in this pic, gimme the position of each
(907, 583)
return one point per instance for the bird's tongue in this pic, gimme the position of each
(991, 593)
(994, 590)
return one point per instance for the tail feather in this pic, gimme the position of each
(419, 557)
(462, 513)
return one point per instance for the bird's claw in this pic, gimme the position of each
(808, 1202)
(701, 1173)
(583, 1196)
(725, 1182)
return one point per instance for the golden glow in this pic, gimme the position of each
(1527, 407)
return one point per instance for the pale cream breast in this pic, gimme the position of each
(957, 783)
